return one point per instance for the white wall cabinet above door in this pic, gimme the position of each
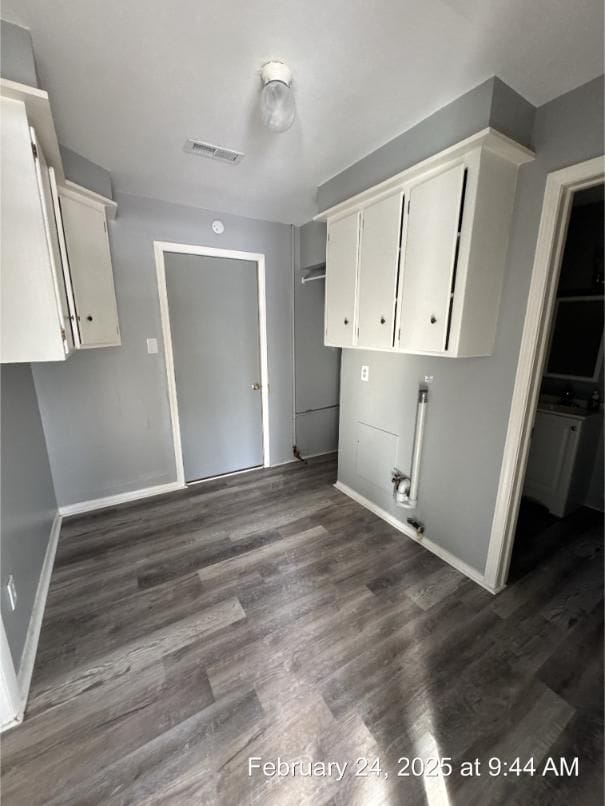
(378, 269)
(87, 253)
(342, 255)
(34, 323)
(428, 281)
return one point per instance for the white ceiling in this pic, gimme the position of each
(130, 80)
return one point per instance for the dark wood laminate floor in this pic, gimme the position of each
(268, 615)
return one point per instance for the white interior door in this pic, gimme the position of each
(378, 265)
(91, 273)
(341, 279)
(428, 265)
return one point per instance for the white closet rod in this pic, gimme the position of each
(304, 280)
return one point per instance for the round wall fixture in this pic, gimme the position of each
(277, 107)
(217, 226)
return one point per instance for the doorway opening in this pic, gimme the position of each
(213, 312)
(563, 490)
(562, 335)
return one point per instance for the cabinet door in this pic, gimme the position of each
(378, 266)
(550, 463)
(30, 321)
(341, 279)
(429, 259)
(52, 239)
(91, 273)
(64, 260)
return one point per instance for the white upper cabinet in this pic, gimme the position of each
(87, 251)
(425, 272)
(35, 323)
(378, 267)
(429, 261)
(342, 256)
(56, 279)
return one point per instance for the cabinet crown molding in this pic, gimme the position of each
(71, 190)
(40, 117)
(489, 138)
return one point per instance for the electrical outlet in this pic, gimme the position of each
(428, 379)
(11, 590)
(152, 346)
(365, 373)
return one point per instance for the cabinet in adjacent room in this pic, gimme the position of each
(561, 458)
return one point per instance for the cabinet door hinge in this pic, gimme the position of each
(105, 226)
(409, 203)
(63, 336)
(34, 151)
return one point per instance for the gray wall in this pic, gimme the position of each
(105, 412)
(469, 399)
(27, 499)
(511, 114)
(492, 103)
(86, 173)
(28, 504)
(17, 54)
(317, 366)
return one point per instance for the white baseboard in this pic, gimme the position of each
(28, 656)
(120, 498)
(320, 453)
(408, 531)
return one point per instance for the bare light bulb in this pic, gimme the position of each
(277, 107)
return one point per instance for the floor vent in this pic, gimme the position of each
(213, 152)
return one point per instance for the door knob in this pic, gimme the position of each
(89, 318)
(382, 320)
(346, 321)
(433, 320)
(255, 387)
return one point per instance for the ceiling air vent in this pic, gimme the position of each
(213, 152)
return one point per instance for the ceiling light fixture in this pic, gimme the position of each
(277, 106)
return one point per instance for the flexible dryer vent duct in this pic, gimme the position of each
(406, 489)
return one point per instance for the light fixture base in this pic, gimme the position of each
(276, 71)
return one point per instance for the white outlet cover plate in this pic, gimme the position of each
(152, 346)
(365, 373)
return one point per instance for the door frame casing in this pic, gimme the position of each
(159, 248)
(552, 234)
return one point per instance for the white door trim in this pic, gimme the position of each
(11, 706)
(159, 248)
(556, 209)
